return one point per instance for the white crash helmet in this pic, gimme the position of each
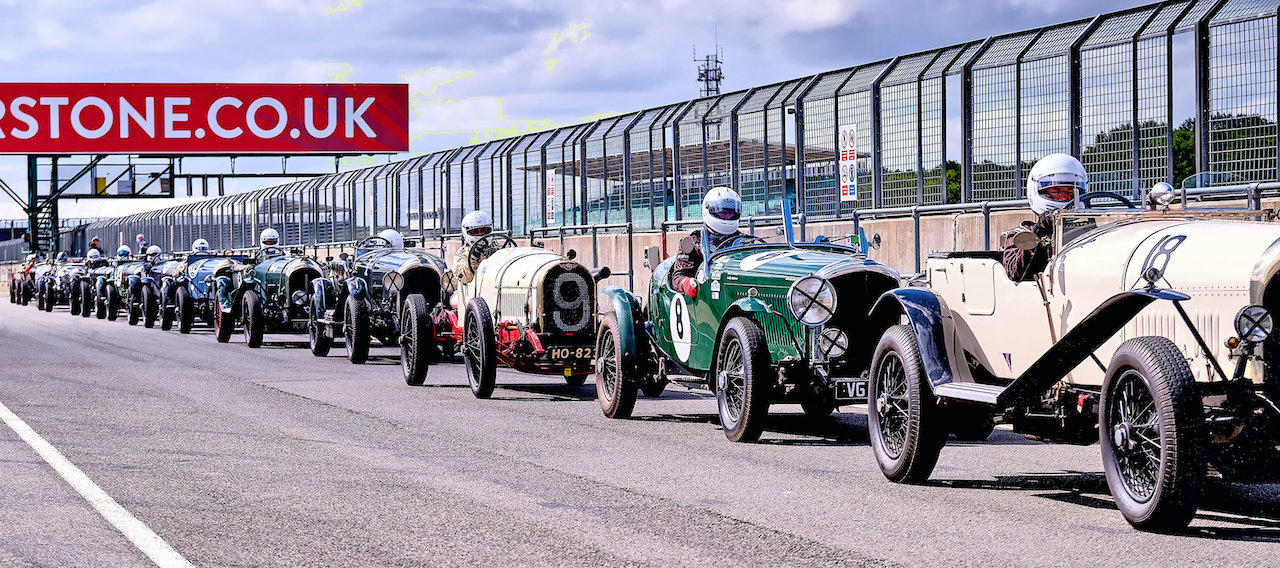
(124, 251)
(475, 225)
(31, 257)
(1051, 178)
(394, 237)
(269, 238)
(200, 245)
(721, 210)
(153, 251)
(63, 256)
(94, 254)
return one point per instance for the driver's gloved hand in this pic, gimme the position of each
(1044, 226)
(688, 287)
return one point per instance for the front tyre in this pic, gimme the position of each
(614, 389)
(480, 351)
(355, 329)
(86, 299)
(742, 377)
(254, 318)
(319, 335)
(903, 419)
(223, 323)
(417, 342)
(1151, 426)
(113, 302)
(183, 309)
(150, 306)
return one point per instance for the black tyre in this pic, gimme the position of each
(904, 421)
(818, 406)
(183, 309)
(355, 329)
(251, 315)
(86, 299)
(319, 335)
(1151, 425)
(13, 291)
(417, 340)
(615, 390)
(150, 306)
(223, 323)
(113, 302)
(167, 311)
(74, 301)
(480, 349)
(742, 378)
(134, 306)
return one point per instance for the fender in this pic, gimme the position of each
(100, 285)
(626, 308)
(357, 288)
(924, 313)
(321, 296)
(226, 298)
(1079, 343)
(132, 286)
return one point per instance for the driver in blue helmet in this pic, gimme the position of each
(1055, 183)
(721, 212)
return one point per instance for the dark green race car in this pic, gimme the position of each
(771, 322)
(270, 291)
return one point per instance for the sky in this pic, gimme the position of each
(482, 69)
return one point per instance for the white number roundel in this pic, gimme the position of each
(760, 259)
(681, 330)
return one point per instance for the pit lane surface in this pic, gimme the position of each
(239, 457)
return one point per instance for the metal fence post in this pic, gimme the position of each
(877, 161)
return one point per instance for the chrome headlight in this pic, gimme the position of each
(833, 343)
(812, 300)
(1254, 324)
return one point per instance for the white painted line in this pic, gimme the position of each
(142, 537)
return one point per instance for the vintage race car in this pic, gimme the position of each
(88, 287)
(771, 322)
(1149, 331)
(270, 291)
(45, 277)
(383, 292)
(527, 308)
(185, 293)
(116, 289)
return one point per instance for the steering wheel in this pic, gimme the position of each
(748, 240)
(487, 245)
(373, 241)
(1109, 194)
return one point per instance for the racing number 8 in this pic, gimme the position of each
(680, 320)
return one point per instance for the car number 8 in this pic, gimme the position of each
(680, 336)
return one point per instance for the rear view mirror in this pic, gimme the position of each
(572, 254)
(1026, 240)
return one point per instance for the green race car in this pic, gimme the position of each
(771, 322)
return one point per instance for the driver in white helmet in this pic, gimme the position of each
(393, 237)
(1055, 183)
(269, 238)
(199, 246)
(475, 225)
(721, 211)
(94, 258)
(153, 254)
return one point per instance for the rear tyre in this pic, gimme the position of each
(167, 311)
(134, 305)
(223, 323)
(253, 317)
(113, 302)
(355, 329)
(183, 310)
(480, 349)
(903, 419)
(417, 342)
(74, 301)
(86, 299)
(1151, 426)
(742, 377)
(319, 335)
(615, 391)
(150, 306)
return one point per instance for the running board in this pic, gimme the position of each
(970, 392)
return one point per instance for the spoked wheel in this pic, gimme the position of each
(355, 330)
(906, 436)
(742, 378)
(1152, 433)
(319, 335)
(183, 310)
(254, 319)
(615, 391)
(417, 340)
(113, 302)
(479, 349)
(223, 323)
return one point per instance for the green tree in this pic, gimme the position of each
(954, 182)
(1184, 151)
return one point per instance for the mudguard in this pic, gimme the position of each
(357, 288)
(100, 285)
(626, 308)
(322, 294)
(1084, 338)
(133, 283)
(924, 313)
(226, 296)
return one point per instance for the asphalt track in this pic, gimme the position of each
(272, 457)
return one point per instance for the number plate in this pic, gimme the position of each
(851, 389)
(570, 353)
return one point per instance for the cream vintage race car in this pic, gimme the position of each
(1148, 330)
(528, 308)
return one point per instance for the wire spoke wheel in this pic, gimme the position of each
(892, 403)
(1135, 436)
(730, 364)
(609, 372)
(475, 353)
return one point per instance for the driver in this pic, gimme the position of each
(1055, 183)
(199, 246)
(122, 253)
(95, 244)
(269, 238)
(153, 254)
(721, 211)
(393, 238)
(94, 259)
(475, 225)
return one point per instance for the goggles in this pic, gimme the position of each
(479, 231)
(725, 211)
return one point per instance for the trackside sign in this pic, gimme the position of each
(95, 118)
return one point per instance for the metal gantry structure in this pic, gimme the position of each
(1104, 89)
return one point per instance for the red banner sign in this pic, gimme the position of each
(84, 118)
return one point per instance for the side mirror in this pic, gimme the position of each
(601, 273)
(571, 254)
(1026, 240)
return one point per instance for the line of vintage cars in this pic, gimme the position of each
(1150, 331)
